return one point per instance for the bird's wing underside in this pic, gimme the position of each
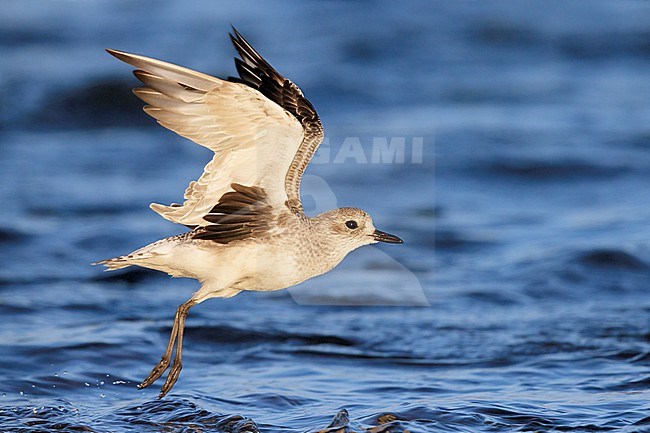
(262, 130)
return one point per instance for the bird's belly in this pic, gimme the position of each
(269, 270)
(274, 270)
(259, 267)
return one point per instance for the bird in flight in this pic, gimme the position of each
(248, 230)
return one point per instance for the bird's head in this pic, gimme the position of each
(354, 228)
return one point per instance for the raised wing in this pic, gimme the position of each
(256, 140)
(257, 73)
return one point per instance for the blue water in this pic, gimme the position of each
(519, 302)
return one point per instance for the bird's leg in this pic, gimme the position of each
(160, 368)
(175, 370)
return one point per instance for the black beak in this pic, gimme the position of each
(385, 237)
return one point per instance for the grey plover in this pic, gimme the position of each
(247, 227)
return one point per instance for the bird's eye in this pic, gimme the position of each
(351, 224)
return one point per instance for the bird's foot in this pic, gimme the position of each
(172, 377)
(155, 374)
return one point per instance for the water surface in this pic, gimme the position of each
(519, 301)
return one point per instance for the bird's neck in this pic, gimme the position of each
(321, 249)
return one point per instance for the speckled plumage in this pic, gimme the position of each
(248, 229)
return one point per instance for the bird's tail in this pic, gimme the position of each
(139, 257)
(147, 256)
(150, 256)
(116, 263)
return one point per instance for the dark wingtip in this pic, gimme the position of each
(235, 36)
(235, 32)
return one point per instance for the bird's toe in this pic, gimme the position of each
(155, 374)
(172, 377)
